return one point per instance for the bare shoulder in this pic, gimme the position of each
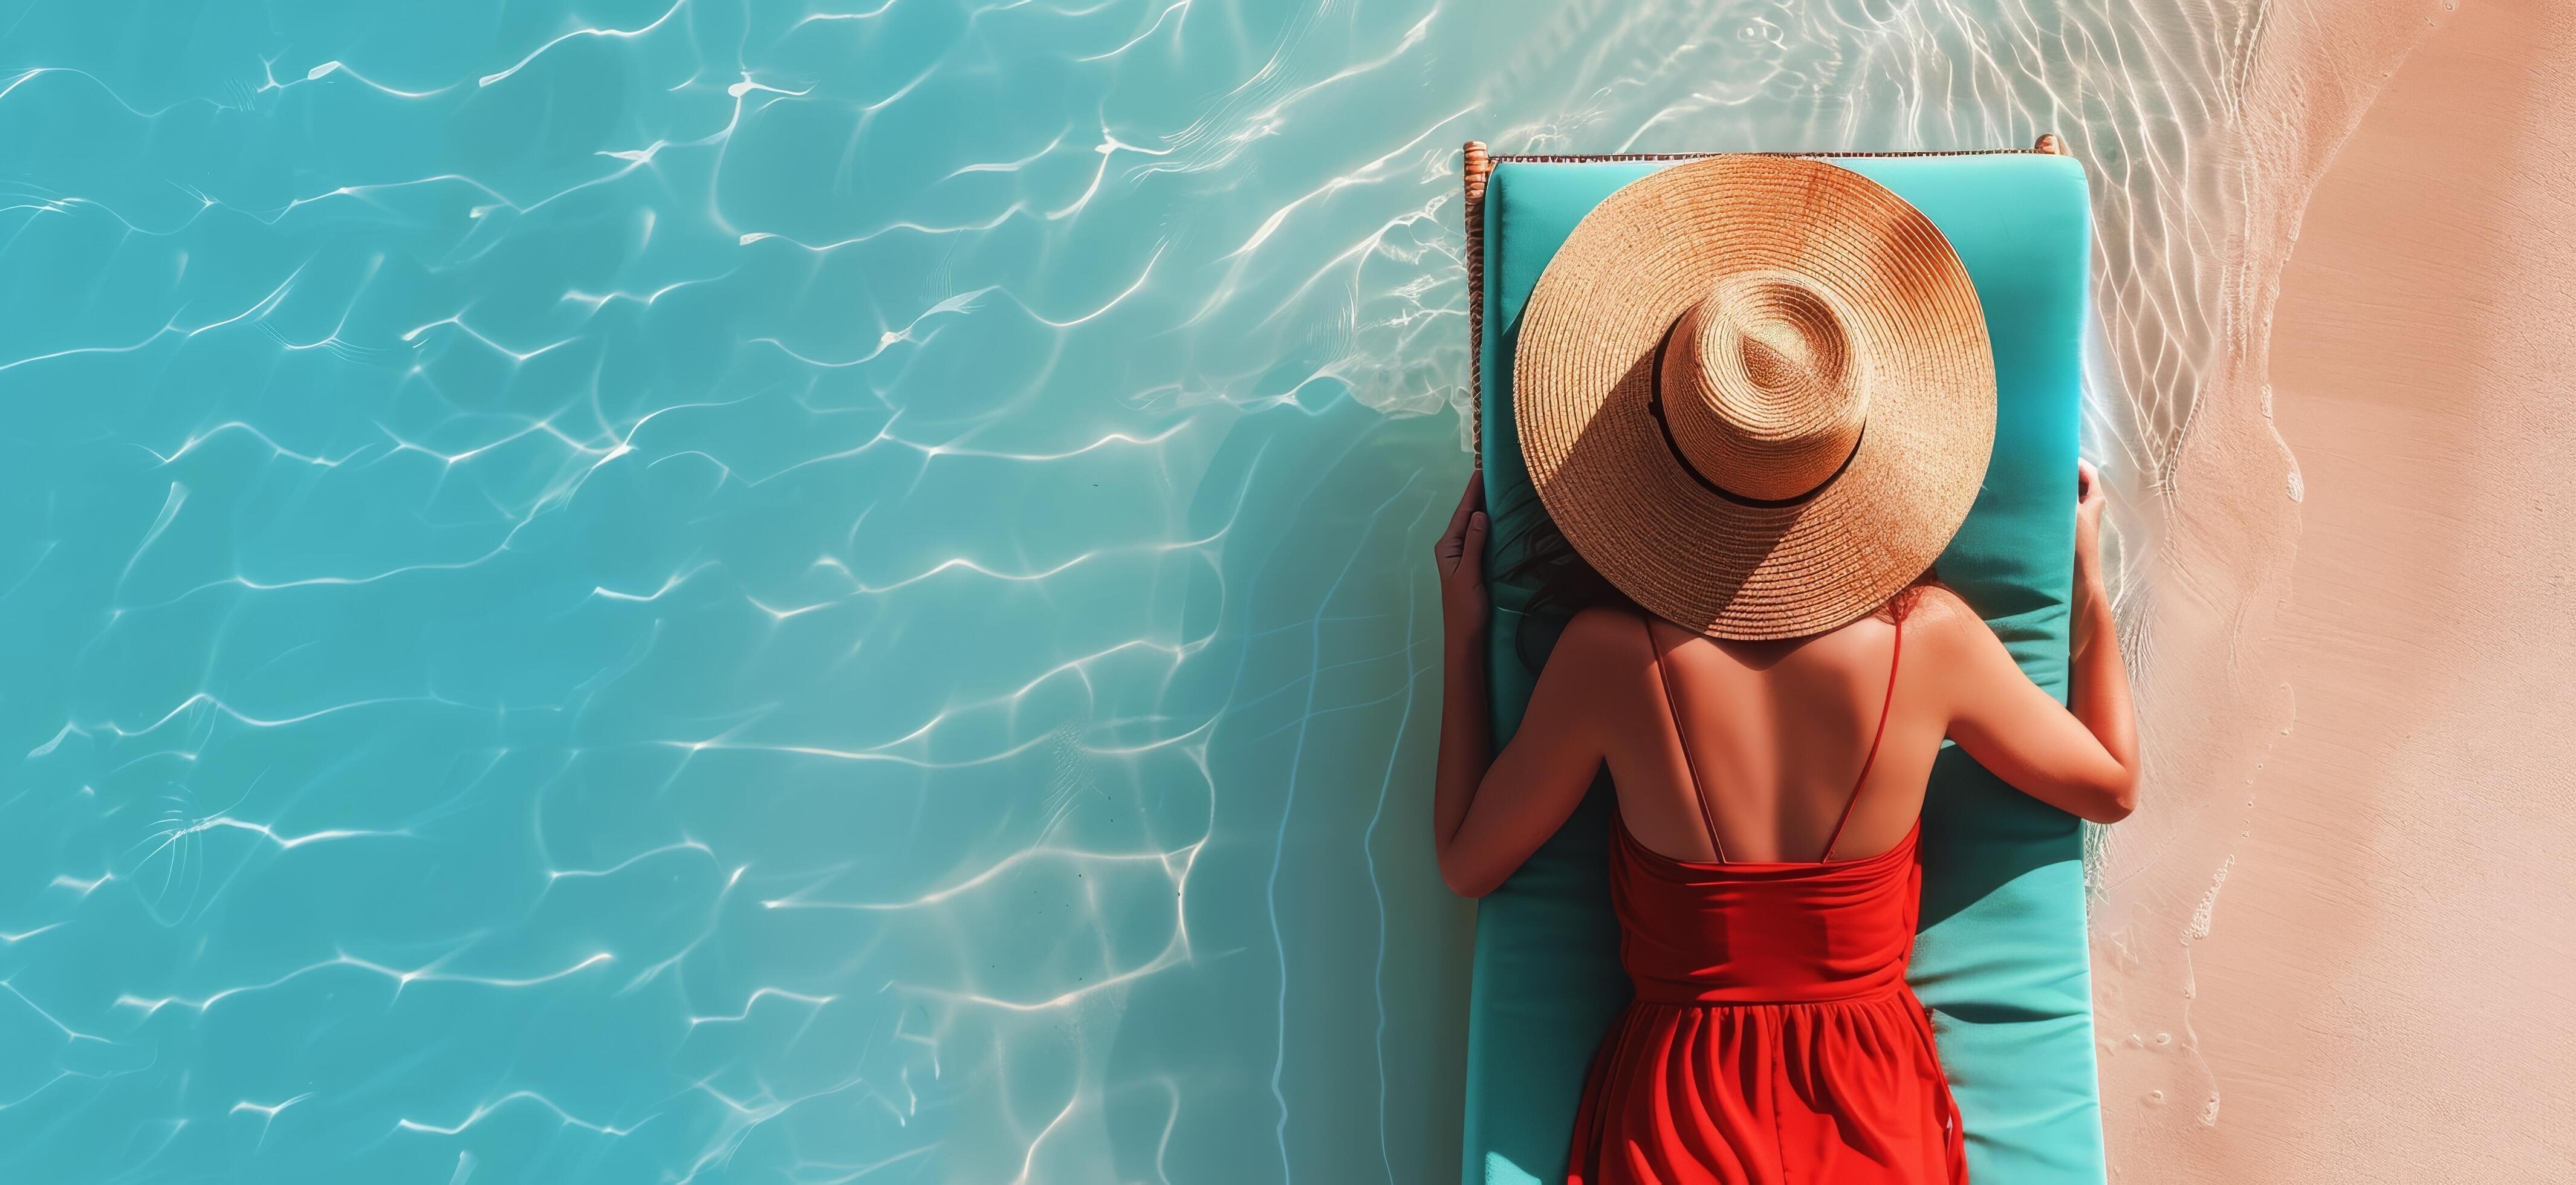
(1601, 647)
(1940, 601)
(1595, 662)
(1942, 618)
(1602, 632)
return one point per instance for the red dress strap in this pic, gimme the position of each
(1894, 654)
(1673, 711)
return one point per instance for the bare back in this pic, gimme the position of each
(1766, 743)
(1751, 751)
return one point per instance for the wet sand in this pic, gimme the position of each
(2368, 912)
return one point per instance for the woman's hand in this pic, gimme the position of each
(1460, 559)
(2092, 607)
(2090, 498)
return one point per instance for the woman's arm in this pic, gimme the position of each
(2098, 678)
(1466, 727)
(1487, 813)
(2081, 758)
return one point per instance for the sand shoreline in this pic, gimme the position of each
(2352, 881)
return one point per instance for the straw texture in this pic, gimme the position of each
(1756, 392)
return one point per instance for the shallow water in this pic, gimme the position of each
(688, 591)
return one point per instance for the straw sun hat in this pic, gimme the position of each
(1756, 393)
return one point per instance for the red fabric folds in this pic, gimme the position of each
(1773, 1038)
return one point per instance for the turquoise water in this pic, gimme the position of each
(657, 591)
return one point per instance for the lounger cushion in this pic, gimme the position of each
(2002, 958)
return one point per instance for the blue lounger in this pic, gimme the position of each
(2001, 959)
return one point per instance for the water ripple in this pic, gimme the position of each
(666, 591)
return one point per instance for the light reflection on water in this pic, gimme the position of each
(688, 591)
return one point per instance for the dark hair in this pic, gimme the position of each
(1561, 583)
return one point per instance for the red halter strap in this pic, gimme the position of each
(1894, 654)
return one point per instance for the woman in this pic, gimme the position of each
(1759, 656)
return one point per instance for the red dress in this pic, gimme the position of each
(1773, 1038)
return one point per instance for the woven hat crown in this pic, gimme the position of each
(1759, 388)
(1756, 393)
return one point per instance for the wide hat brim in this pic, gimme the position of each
(1608, 474)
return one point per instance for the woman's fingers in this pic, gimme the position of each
(1471, 551)
(1470, 500)
(1453, 542)
(2090, 496)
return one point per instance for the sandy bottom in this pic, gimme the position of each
(2377, 972)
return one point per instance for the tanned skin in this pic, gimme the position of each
(1778, 730)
